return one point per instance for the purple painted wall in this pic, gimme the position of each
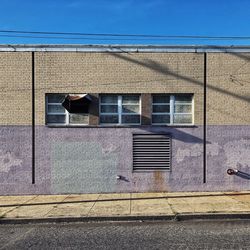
(87, 160)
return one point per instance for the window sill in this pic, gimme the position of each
(120, 126)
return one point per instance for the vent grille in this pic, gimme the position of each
(151, 152)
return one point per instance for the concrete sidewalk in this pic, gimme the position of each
(124, 206)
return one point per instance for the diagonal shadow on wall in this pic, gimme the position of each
(177, 134)
(162, 69)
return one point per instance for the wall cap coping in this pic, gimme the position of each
(123, 48)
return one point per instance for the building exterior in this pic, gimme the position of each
(87, 119)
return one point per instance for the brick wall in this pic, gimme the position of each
(71, 72)
(228, 98)
(15, 85)
(118, 73)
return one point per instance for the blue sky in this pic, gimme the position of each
(160, 17)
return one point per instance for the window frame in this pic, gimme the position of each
(119, 110)
(171, 113)
(66, 113)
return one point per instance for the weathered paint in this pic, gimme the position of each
(15, 163)
(82, 167)
(88, 160)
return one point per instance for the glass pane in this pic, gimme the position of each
(56, 98)
(161, 108)
(180, 119)
(78, 119)
(109, 109)
(109, 99)
(130, 99)
(56, 109)
(161, 98)
(183, 98)
(112, 119)
(130, 109)
(56, 119)
(163, 119)
(183, 108)
(132, 119)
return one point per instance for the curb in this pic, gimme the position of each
(177, 217)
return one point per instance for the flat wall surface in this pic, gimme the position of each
(228, 89)
(88, 159)
(15, 87)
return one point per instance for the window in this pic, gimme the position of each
(172, 109)
(56, 114)
(120, 109)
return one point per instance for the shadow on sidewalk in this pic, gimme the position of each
(123, 199)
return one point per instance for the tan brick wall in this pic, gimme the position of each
(228, 96)
(70, 72)
(15, 86)
(118, 73)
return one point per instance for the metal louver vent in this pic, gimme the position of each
(151, 152)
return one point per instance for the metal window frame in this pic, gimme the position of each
(120, 113)
(171, 112)
(66, 113)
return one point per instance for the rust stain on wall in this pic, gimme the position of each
(159, 183)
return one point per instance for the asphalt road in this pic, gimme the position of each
(128, 235)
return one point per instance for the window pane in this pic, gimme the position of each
(111, 119)
(56, 98)
(164, 119)
(126, 119)
(56, 119)
(161, 108)
(78, 118)
(109, 109)
(183, 98)
(130, 99)
(183, 108)
(130, 109)
(56, 109)
(161, 98)
(187, 119)
(109, 99)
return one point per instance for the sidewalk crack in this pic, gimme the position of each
(130, 204)
(88, 214)
(18, 206)
(171, 207)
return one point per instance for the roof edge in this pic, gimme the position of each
(121, 48)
